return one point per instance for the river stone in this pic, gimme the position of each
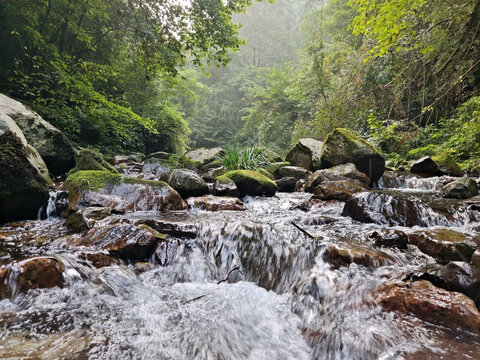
(224, 187)
(126, 241)
(320, 177)
(100, 259)
(445, 244)
(463, 188)
(174, 227)
(344, 255)
(119, 194)
(286, 184)
(216, 203)
(250, 182)
(96, 212)
(205, 155)
(187, 183)
(52, 145)
(32, 273)
(342, 146)
(349, 171)
(305, 154)
(24, 179)
(341, 190)
(462, 277)
(448, 165)
(429, 303)
(296, 172)
(425, 167)
(211, 174)
(389, 238)
(160, 169)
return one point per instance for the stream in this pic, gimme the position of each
(247, 285)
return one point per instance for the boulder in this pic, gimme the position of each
(96, 213)
(341, 190)
(224, 186)
(344, 255)
(250, 182)
(425, 167)
(266, 173)
(216, 203)
(52, 145)
(76, 222)
(336, 173)
(87, 159)
(462, 277)
(100, 259)
(462, 188)
(429, 303)
(306, 154)
(211, 174)
(126, 241)
(272, 167)
(445, 244)
(389, 238)
(447, 165)
(32, 273)
(24, 179)
(187, 183)
(286, 184)
(120, 194)
(342, 146)
(204, 155)
(159, 169)
(292, 171)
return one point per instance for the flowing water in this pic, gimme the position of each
(249, 286)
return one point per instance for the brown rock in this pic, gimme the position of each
(343, 255)
(173, 227)
(124, 240)
(100, 260)
(338, 190)
(216, 203)
(32, 273)
(429, 303)
(389, 238)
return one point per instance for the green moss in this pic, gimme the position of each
(447, 164)
(131, 180)
(89, 160)
(223, 179)
(352, 142)
(91, 179)
(238, 175)
(266, 173)
(271, 168)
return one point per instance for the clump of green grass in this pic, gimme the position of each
(248, 158)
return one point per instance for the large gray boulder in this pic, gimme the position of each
(204, 155)
(187, 183)
(462, 188)
(342, 146)
(24, 179)
(52, 145)
(306, 154)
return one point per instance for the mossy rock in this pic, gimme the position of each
(447, 165)
(89, 160)
(211, 165)
(271, 168)
(306, 153)
(250, 182)
(462, 188)
(342, 146)
(266, 173)
(91, 179)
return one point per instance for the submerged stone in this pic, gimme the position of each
(344, 255)
(216, 203)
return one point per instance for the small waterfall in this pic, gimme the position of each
(56, 206)
(407, 182)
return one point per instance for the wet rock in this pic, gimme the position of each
(211, 174)
(389, 238)
(342, 146)
(341, 190)
(120, 194)
(447, 165)
(476, 258)
(429, 303)
(32, 273)
(425, 167)
(172, 227)
(205, 155)
(462, 277)
(124, 240)
(306, 154)
(463, 188)
(24, 179)
(159, 169)
(121, 160)
(216, 203)
(87, 159)
(187, 183)
(344, 255)
(96, 213)
(76, 223)
(445, 244)
(52, 145)
(223, 186)
(166, 251)
(307, 205)
(155, 233)
(100, 260)
(286, 184)
(249, 182)
(296, 172)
